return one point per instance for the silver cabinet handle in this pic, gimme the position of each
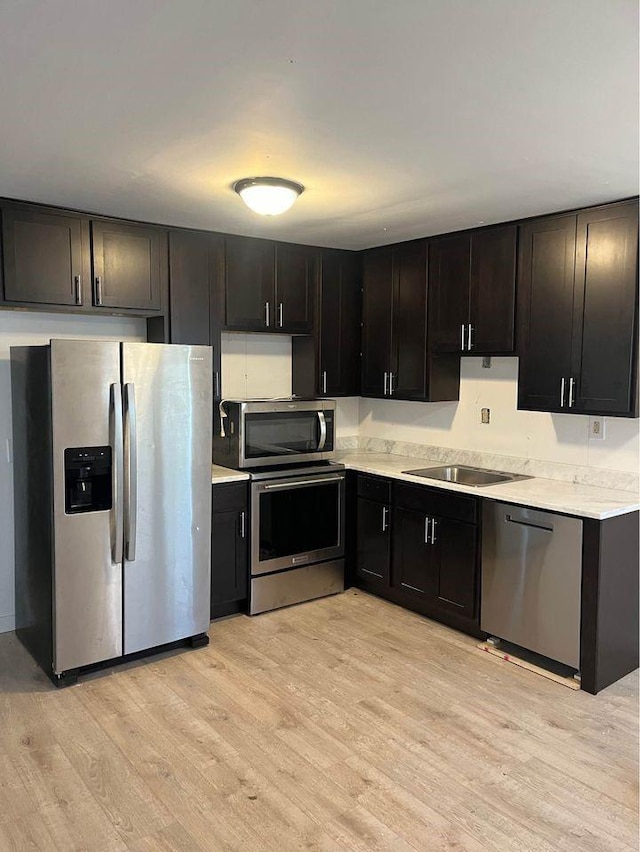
(130, 472)
(323, 430)
(280, 314)
(426, 530)
(572, 382)
(433, 530)
(98, 290)
(115, 439)
(324, 381)
(385, 518)
(266, 314)
(77, 281)
(216, 384)
(390, 384)
(469, 344)
(462, 346)
(562, 392)
(243, 524)
(384, 393)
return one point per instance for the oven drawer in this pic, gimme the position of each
(296, 585)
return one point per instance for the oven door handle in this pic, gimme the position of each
(301, 483)
(323, 430)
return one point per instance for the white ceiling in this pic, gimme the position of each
(402, 118)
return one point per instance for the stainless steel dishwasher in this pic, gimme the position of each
(531, 575)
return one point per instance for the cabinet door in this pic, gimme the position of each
(373, 554)
(449, 260)
(455, 567)
(249, 285)
(229, 550)
(545, 310)
(196, 268)
(340, 318)
(411, 567)
(44, 257)
(492, 290)
(130, 266)
(189, 288)
(377, 310)
(409, 362)
(605, 311)
(296, 273)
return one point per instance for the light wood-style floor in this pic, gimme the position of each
(341, 724)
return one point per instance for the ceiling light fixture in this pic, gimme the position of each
(268, 196)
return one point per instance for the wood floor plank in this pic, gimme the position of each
(345, 723)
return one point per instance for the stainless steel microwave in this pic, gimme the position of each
(256, 433)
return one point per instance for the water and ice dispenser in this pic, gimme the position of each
(87, 473)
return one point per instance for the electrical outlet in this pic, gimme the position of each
(596, 428)
(485, 415)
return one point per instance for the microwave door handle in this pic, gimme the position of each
(323, 430)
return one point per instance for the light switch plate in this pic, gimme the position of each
(596, 428)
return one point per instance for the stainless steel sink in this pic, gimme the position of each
(476, 477)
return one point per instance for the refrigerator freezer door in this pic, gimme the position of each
(87, 582)
(167, 530)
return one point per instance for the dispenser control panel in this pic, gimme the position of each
(88, 479)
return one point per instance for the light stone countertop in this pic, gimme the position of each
(222, 475)
(585, 501)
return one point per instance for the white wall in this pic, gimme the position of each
(256, 366)
(31, 329)
(559, 438)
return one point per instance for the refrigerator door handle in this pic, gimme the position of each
(115, 439)
(130, 472)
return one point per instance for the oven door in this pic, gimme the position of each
(297, 521)
(274, 437)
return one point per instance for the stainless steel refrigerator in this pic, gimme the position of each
(112, 484)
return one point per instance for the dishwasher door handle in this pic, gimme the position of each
(509, 519)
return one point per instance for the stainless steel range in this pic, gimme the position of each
(297, 534)
(297, 495)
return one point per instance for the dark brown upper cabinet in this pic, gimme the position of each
(295, 288)
(377, 320)
(269, 287)
(129, 265)
(328, 364)
(46, 256)
(249, 284)
(472, 287)
(578, 310)
(604, 339)
(196, 271)
(396, 362)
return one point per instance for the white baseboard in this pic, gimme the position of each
(7, 623)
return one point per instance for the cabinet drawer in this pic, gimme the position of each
(431, 501)
(230, 496)
(374, 489)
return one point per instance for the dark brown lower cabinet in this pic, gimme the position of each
(435, 554)
(229, 549)
(373, 536)
(419, 548)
